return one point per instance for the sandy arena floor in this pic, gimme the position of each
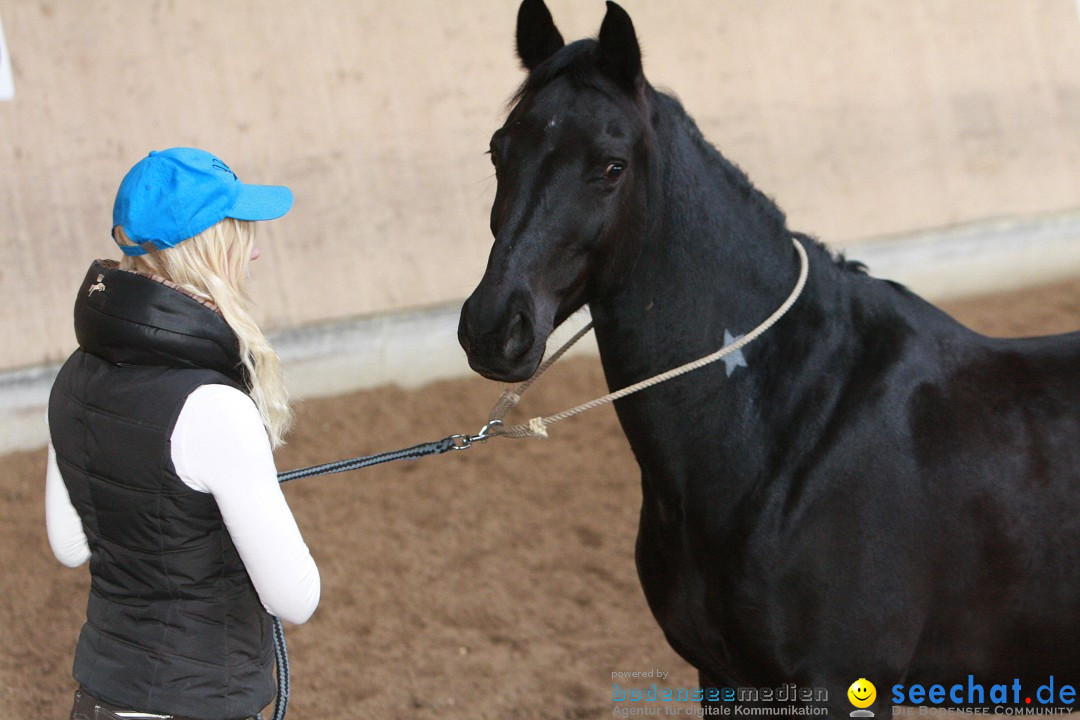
(497, 583)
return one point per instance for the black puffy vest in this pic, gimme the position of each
(173, 623)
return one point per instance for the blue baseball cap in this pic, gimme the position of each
(172, 195)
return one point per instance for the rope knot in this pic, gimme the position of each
(509, 399)
(537, 427)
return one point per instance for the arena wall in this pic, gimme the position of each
(863, 118)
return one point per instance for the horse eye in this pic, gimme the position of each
(613, 170)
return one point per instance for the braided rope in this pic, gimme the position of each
(281, 656)
(340, 466)
(537, 427)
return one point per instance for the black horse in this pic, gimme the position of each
(878, 493)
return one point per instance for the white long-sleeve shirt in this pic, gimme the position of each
(219, 446)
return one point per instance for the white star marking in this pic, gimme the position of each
(736, 358)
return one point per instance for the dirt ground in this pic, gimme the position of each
(494, 583)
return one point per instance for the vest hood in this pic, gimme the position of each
(129, 319)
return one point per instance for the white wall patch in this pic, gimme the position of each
(7, 82)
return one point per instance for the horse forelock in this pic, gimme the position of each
(577, 62)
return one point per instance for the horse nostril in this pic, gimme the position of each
(519, 337)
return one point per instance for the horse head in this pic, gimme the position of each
(571, 162)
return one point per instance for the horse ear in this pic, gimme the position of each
(537, 37)
(620, 55)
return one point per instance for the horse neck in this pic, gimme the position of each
(718, 260)
(717, 257)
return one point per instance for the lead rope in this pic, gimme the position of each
(537, 427)
(281, 657)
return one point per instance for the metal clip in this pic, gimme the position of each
(490, 430)
(464, 442)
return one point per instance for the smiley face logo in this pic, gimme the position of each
(862, 693)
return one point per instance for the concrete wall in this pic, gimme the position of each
(863, 118)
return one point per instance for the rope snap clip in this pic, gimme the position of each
(464, 442)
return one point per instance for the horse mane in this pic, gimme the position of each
(667, 102)
(672, 108)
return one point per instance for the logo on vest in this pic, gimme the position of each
(96, 286)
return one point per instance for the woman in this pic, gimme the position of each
(161, 471)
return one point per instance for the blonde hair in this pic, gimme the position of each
(213, 266)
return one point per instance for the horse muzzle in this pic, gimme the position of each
(501, 346)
